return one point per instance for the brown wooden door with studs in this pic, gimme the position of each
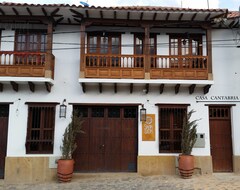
(4, 112)
(109, 143)
(221, 138)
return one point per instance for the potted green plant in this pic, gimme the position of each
(66, 163)
(189, 137)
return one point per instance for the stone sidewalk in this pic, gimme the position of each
(133, 181)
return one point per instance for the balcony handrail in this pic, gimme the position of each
(175, 61)
(114, 60)
(22, 58)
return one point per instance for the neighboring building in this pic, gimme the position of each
(109, 63)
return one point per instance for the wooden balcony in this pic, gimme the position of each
(114, 66)
(26, 64)
(179, 67)
(135, 67)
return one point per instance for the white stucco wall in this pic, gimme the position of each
(226, 73)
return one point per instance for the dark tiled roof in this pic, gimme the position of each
(233, 14)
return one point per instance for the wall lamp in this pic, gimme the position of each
(63, 109)
(143, 113)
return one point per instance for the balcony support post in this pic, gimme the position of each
(82, 49)
(209, 52)
(146, 51)
(49, 62)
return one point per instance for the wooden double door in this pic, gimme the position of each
(4, 112)
(109, 142)
(221, 138)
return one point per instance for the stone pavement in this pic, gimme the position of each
(133, 181)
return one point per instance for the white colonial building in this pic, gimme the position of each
(110, 63)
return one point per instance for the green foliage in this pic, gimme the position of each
(69, 137)
(189, 134)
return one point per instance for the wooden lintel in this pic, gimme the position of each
(192, 88)
(31, 86)
(115, 87)
(83, 87)
(161, 88)
(55, 12)
(48, 86)
(147, 88)
(14, 86)
(131, 88)
(76, 12)
(100, 87)
(1, 87)
(206, 88)
(177, 88)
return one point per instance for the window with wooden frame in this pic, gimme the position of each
(185, 46)
(170, 127)
(139, 42)
(106, 48)
(40, 129)
(31, 40)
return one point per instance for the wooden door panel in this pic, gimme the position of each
(221, 143)
(3, 137)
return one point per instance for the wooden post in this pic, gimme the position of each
(49, 62)
(209, 52)
(147, 51)
(82, 50)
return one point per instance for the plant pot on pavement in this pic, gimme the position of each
(186, 165)
(65, 170)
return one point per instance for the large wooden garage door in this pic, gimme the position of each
(4, 111)
(110, 139)
(221, 139)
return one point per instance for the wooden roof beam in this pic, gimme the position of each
(79, 21)
(2, 12)
(58, 20)
(76, 13)
(207, 17)
(128, 15)
(141, 16)
(180, 17)
(69, 21)
(154, 16)
(29, 11)
(193, 17)
(54, 13)
(167, 16)
(87, 13)
(15, 11)
(44, 12)
(101, 14)
(115, 14)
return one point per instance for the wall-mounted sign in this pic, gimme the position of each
(148, 128)
(217, 98)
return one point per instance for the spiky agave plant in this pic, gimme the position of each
(189, 133)
(69, 144)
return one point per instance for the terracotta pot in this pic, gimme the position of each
(186, 165)
(65, 170)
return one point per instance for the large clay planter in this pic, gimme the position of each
(186, 165)
(65, 170)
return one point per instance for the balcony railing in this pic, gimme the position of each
(26, 64)
(135, 66)
(114, 66)
(179, 67)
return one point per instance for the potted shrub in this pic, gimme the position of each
(66, 163)
(189, 137)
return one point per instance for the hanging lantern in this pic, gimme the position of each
(63, 109)
(143, 113)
